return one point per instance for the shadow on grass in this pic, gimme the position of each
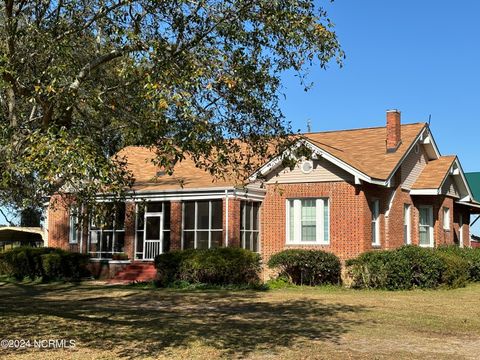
(138, 323)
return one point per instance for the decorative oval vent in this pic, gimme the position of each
(307, 166)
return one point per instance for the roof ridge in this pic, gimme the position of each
(357, 129)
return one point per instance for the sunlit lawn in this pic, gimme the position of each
(128, 322)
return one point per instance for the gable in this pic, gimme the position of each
(413, 166)
(450, 187)
(323, 171)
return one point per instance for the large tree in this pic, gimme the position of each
(80, 79)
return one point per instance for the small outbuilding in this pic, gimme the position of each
(13, 236)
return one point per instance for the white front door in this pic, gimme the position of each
(426, 226)
(153, 236)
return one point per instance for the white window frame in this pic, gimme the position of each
(321, 239)
(446, 218)
(376, 240)
(196, 230)
(407, 224)
(244, 232)
(74, 226)
(431, 226)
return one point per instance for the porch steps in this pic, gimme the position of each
(135, 272)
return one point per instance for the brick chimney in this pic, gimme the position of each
(394, 130)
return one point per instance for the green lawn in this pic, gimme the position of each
(127, 322)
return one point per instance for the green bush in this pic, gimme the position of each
(471, 255)
(45, 263)
(219, 266)
(406, 268)
(307, 267)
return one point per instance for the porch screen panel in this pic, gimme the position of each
(249, 225)
(202, 224)
(154, 207)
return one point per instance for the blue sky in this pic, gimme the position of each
(421, 57)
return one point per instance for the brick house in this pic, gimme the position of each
(362, 189)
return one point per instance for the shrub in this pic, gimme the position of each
(406, 268)
(307, 267)
(219, 266)
(45, 263)
(471, 255)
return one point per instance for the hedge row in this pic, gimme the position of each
(307, 267)
(45, 263)
(219, 266)
(414, 267)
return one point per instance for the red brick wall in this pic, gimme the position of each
(348, 228)
(233, 222)
(59, 224)
(130, 229)
(175, 225)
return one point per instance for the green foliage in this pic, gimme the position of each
(220, 266)
(46, 263)
(280, 282)
(306, 267)
(80, 80)
(471, 255)
(407, 268)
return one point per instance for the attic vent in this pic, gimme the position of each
(307, 167)
(161, 173)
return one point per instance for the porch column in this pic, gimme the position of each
(175, 225)
(130, 229)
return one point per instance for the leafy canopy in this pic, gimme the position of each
(79, 80)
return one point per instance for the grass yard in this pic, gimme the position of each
(127, 322)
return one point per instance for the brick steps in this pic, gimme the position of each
(135, 272)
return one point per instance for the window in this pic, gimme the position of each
(74, 226)
(375, 207)
(308, 221)
(407, 223)
(426, 226)
(446, 218)
(107, 232)
(202, 224)
(249, 228)
(151, 210)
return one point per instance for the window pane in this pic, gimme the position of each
(119, 242)
(255, 242)
(189, 215)
(248, 216)
(107, 243)
(139, 241)
(202, 239)
(309, 217)
(217, 239)
(166, 241)
(154, 207)
(166, 216)
(202, 215)
(326, 220)
(248, 241)
(292, 220)
(153, 228)
(255, 209)
(188, 240)
(217, 214)
(243, 205)
(140, 217)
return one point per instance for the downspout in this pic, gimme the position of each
(226, 218)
